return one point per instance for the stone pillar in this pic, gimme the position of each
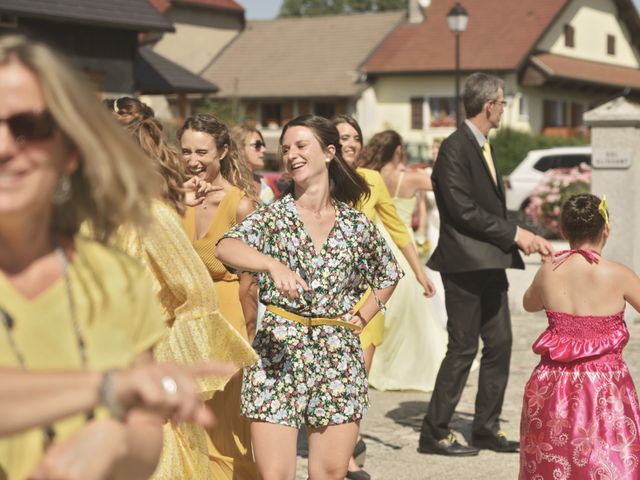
(615, 139)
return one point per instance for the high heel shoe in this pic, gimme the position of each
(360, 453)
(358, 475)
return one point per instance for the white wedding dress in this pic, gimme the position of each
(415, 340)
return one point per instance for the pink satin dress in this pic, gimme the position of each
(580, 416)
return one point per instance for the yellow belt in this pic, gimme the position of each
(315, 321)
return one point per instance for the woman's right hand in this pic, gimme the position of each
(167, 389)
(286, 281)
(196, 190)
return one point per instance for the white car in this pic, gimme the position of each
(529, 172)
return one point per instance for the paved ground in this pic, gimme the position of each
(391, 428)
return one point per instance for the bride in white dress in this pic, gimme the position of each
(415, 340)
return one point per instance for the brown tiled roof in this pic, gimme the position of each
(499, 36)
(300, 57)
(558, 67)
(220, 4)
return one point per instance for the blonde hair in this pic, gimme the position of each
(114, 183)
(138, 118)
(232, 168)
(240, 134)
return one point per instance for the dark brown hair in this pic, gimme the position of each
(342, 118)
(580, 218)
(232, 169)
(138, 118)
(380, 150)
(344, 183)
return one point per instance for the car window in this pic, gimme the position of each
(545, 163)
(561, 161)
(570, 161)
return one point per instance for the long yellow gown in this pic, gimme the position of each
(230, 440)
(197, 331)
(379, 207)
(119, 318)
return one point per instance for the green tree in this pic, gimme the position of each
(299, 8)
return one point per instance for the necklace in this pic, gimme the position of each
(49, 432)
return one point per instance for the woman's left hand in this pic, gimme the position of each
(427, 286)
(89, 454)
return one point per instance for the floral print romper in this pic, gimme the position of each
(312, 376)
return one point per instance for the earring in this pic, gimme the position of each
(62, 193)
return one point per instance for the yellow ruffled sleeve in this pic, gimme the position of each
(381, 204)
(198, 332)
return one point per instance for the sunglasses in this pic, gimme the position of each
(28, 126)
(258, 145)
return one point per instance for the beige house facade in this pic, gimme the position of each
(569, 56)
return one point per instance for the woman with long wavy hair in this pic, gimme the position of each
(251, 148)
(315, 257)
(75, 313)
(209, 154)
(198, 332)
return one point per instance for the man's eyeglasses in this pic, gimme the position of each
(257, 145)
(30, 125)
(504, 103)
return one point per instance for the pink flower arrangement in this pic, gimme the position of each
(547, 198)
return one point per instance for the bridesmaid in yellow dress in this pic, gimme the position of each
(69, 302)
(414, 339)
(378, 208)
(211, 156)
(198, 331)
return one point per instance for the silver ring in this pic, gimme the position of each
(169, 385)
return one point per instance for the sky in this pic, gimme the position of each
(267, 9)
(261, 9)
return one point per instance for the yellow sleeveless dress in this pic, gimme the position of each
(379, 207)
(230, 440)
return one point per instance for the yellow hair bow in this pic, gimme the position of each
(602, 209)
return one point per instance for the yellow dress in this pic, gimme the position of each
(230, 440)
(118, 315)
(380, 207)
(198, 332)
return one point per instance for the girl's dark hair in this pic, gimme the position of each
(580, 218)
(342, 118)
(380, 150)
(344, 183)
(232, 168)
(146, 130)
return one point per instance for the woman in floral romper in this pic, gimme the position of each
(315, 257)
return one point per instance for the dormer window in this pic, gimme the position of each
(569, 33)
(611, 45)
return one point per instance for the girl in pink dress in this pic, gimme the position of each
(580, 416)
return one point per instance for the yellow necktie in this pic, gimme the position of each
(486, 151)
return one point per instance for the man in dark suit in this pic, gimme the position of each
(476, 245)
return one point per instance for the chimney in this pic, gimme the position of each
(416, 10)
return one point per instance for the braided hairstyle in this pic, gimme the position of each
(380, 150)
(581, 219)
(138, 118)
(232, 168)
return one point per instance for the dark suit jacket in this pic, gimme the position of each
(474, 231)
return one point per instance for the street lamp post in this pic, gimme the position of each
(457, 19)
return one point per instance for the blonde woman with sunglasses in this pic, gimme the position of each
(71, 305)
(251, 148)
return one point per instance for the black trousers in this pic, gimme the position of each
(478, 308)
